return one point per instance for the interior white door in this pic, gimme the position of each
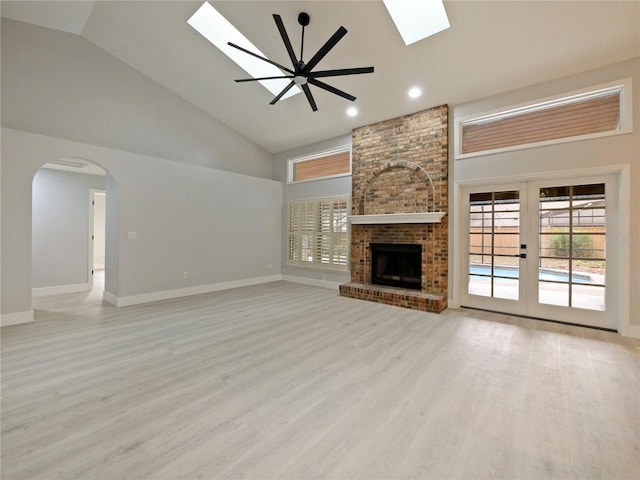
(95, 233)
(539, 249)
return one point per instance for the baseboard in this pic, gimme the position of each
(17, 318)
(185, 292)
(58, 289)
(632, 331)
(110, 298)
(312, 281)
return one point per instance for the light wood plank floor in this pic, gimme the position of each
(286, 381)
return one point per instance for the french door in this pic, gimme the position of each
(539, 249)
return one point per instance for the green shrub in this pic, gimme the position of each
(582, 245)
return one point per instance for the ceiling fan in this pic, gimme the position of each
(302, 73)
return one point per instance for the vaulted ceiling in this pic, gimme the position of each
(491, 47)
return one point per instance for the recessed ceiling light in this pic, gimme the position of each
(352, 111)
(415, 92)
(417, 20)
(218, 30)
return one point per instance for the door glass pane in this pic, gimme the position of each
(494, 242)
(551, 293)
(588, 272)
(554, 243)
(553, 265)
(588, 296)
(572, 246)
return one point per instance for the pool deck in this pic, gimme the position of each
(583, 296)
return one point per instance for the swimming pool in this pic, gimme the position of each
(513, 272)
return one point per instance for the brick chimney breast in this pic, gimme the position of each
(401, 166)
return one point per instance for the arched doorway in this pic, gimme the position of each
(68, 231)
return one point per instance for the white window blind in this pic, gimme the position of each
(317, 233)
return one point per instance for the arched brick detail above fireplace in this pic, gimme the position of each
(397, 186)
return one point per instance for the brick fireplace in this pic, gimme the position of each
(400, 166)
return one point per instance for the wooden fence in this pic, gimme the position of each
(507, 240)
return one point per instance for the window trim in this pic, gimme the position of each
(625, 125)
(319, 265)
(325, 153)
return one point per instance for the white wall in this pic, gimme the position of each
(611, 153)
(332, 187)
(60, 227)
(112, 236)
(221, 227)
(61, 85)
(168, 173)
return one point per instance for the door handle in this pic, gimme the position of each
(523, 246)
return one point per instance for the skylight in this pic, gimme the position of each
(217, 29)
(417, 20)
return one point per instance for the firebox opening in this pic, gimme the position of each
(396, 265)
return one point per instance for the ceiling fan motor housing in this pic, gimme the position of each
(303, 19)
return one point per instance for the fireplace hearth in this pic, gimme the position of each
(396, 265)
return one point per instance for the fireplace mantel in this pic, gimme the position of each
(388, 218)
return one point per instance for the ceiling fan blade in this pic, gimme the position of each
(331, 89)
(307, 92)
(342, 71)
(261, 58)
(285, 39)
(284, 90)
(262, 78)
(335, 38)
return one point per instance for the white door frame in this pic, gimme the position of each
(619, 268)
(90, 239)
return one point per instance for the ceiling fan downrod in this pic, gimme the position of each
(303, 19)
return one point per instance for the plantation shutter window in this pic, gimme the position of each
(317, 233)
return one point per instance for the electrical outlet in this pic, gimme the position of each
(185, 275)
(269, 266)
